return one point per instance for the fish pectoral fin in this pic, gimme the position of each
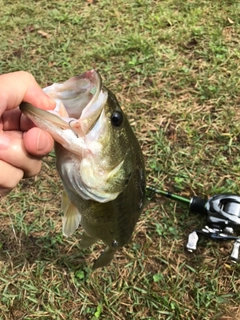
(105, 258)
(71, 218)
(86, 241)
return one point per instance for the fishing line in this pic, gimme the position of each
(69, 123)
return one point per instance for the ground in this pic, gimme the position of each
(174, 67)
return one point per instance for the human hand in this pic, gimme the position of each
(21, 143)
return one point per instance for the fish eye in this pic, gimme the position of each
(117, 118)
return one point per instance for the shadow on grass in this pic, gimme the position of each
(18, 248)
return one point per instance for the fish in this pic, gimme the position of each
(98, 159)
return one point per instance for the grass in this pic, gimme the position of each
(174, 66)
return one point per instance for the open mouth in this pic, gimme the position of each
(79, 111)
(79, 101)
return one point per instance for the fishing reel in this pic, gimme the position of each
(223, 219)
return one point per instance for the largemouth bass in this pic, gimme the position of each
(98, 159)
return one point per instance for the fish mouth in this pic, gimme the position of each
(79, 104)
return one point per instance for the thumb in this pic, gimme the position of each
(22, 86)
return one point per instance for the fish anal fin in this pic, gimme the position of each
(105, 258)
(71, 218)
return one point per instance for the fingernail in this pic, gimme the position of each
(4, 141)
(41, 141)
(49, 104)
(51, 100)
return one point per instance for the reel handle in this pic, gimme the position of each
(235, 252)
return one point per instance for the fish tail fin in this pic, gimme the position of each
(86, 241)
(71, 218)
(105, 258)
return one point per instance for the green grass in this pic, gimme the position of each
(174, 66)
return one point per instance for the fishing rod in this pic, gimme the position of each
(223, 218)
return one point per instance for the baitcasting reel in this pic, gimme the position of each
(223, 218)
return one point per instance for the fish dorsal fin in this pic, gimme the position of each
(71, 218)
